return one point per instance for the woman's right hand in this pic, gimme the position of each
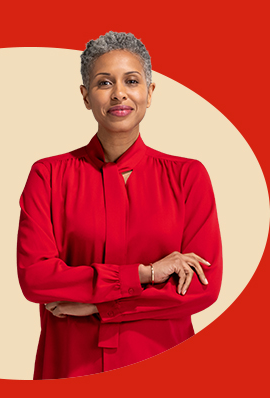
(176, 262)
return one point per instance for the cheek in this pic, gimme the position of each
(98, 101)
(98, 108)
(141, 99)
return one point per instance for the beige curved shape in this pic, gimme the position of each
(42, 114)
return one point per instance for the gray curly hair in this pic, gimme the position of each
(109, 42)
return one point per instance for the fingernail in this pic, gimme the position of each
(207, 263)
(184, 292)
(206, 281)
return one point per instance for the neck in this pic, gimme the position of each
(115, 144)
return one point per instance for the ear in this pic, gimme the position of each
(85, 97)
(151, 88)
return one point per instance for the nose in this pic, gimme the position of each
(119, 92)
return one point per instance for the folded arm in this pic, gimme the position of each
(43, 276)
(201, 235)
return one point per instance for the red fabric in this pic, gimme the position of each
(83, 233)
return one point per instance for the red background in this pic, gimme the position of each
(220, 50)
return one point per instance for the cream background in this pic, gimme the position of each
(42, 114)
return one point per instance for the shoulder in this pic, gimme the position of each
(187, 165)
(52, 161)
(195, 178)
(166, 157)
(189, 172)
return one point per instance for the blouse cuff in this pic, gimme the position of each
(130, 286)
(111, 309)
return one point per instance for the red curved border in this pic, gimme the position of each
(220, 51)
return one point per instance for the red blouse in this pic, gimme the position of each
(83, 233)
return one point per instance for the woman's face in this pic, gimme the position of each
(118, 94)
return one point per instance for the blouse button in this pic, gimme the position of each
(131, 291)
(110, 313)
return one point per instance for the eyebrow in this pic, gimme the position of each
(108, 74)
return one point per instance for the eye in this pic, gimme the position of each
(104, 83)
(132, 81)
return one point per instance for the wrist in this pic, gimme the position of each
(145, 273)
(95, 311)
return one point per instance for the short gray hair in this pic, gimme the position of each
(114, 41)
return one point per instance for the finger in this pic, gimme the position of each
(197, 268)
(51, 306)
(69, 308)
(199, 271)
(188, 280)
(198, 258)
(60, 315)
(58, 312)
(182, 278)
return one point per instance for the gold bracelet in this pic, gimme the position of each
(152, 274)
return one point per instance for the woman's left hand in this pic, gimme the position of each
(61, 309)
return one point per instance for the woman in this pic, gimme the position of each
(110, 234)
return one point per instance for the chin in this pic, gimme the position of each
(121, 128)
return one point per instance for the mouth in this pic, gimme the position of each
(120, 110)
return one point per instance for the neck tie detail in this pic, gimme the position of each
(116, 208)
(116, 213)
(115, 245)
(127, 161)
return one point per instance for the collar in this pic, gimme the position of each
(127, 161)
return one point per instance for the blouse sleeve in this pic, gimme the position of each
(201, 235)
(43, 276)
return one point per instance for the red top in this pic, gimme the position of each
(83, 233)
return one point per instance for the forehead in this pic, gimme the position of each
(120, 61)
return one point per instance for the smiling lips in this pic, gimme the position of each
(120, 110)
